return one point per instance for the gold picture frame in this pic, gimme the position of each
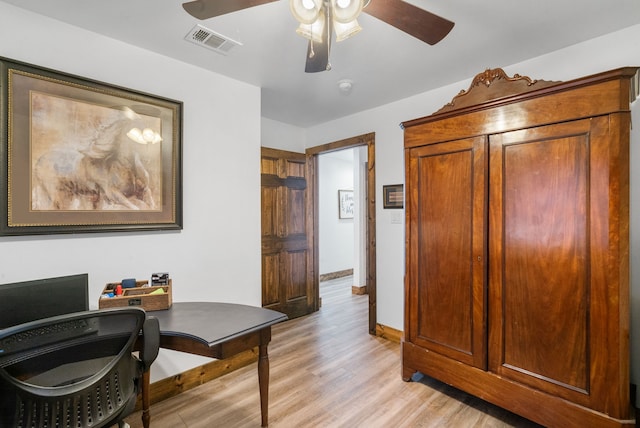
(78, 155)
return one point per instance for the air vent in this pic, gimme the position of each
(211, 40)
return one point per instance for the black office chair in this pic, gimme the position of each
(75, 370)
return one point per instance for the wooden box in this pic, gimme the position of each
(137, 296)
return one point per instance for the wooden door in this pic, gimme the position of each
(287, 233)
(553, 318)
(446, 266)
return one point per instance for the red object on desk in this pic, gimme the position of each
(118, 290)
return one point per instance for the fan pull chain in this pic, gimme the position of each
(329, 32)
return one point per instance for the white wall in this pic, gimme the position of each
(336, 240)
(217, 255)
(612, 51)
(278, 135)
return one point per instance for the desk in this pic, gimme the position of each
(216, 330)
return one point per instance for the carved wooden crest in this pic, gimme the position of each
(492, 84)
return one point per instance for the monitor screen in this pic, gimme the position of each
(26, 301)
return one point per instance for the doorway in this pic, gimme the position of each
(365, 268)
(342, 220)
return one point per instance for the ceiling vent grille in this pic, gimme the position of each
(211, 40)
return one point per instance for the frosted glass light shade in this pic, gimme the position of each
(344, 31)
(345, 11)
(305, 11)
(313, 31)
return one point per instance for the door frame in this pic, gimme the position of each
(312, 153)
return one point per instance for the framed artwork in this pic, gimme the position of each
(345, 203)
(393, 196)
(79, 155)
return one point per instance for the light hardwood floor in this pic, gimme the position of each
(327, 371)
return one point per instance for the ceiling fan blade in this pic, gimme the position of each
(412, 20)
(205, 9)
(317, 57)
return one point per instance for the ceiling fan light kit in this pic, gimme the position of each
(319, 19)
(312, 15)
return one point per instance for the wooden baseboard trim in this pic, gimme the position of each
(335, 275)
(359, 290)
(174, 385)
(389, 333)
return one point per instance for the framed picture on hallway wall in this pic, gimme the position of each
(345, 203)
(393, 196)
(79, 155)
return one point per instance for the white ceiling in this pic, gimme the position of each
(384, 63)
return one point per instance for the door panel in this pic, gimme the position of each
(541, 246)
(270, 275)
(287, 284)
(296, 278)
(447, 277)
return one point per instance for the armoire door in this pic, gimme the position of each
(446, 255)
(549, 274)
(287, 256)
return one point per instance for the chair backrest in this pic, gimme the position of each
(73, 370)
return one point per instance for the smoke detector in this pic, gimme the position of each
(345, 86)
(211, 40)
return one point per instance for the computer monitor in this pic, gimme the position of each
(26, 301)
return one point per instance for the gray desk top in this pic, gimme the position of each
(212, 323)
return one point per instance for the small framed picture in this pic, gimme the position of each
(393, 196)
(345, 203)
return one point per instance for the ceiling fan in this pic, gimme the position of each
(320, 18)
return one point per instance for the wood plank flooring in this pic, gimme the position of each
(327, 371)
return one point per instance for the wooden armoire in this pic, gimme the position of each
(517, 246)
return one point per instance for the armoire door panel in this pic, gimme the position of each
(541, 238)
(448, 283)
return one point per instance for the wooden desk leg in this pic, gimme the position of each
(263, 375)
(146, 415)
